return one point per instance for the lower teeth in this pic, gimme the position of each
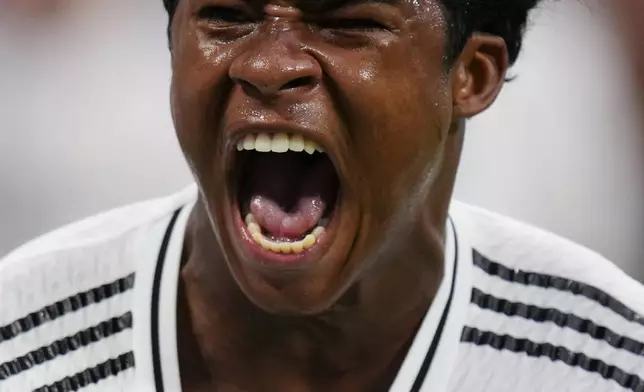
(278, 246)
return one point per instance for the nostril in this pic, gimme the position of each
(299, 82)
(249, 88)
(260, 90)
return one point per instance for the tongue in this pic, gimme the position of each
(282, 224)
(289, 195)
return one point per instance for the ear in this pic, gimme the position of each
(479, 74)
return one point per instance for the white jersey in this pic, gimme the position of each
(92, 307)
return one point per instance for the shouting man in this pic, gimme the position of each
(320, 249)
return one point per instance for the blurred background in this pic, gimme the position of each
(85, 123)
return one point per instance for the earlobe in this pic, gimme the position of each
(479, 74)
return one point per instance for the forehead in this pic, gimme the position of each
(339, 3)
(413, 6)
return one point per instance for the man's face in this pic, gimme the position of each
(364, 80)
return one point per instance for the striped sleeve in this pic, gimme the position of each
(66, 322)
(532, 331)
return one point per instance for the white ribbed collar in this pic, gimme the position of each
(432, 355)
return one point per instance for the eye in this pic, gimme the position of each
(223, 15)
(352, 24)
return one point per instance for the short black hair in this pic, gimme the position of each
(504, 18)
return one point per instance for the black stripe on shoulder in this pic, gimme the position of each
(561, 319)
(555, 282)
(67, 305)
(555, 353)
(65, 345)
(92, 375)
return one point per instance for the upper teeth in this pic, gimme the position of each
(279, 142)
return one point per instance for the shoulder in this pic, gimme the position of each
(102, 227)
(548, 309)
(512, 251)
(67, 296)
(84, 254)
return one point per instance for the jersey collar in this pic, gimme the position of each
(433, 352)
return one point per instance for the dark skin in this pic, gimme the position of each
(378, 96)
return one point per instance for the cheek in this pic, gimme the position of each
(198, 91)
(404, 147)
(400, 128)
(403, 109)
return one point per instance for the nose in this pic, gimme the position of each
(277, 66)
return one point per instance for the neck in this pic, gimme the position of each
(360, 341)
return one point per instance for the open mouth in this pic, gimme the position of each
(287, 191)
